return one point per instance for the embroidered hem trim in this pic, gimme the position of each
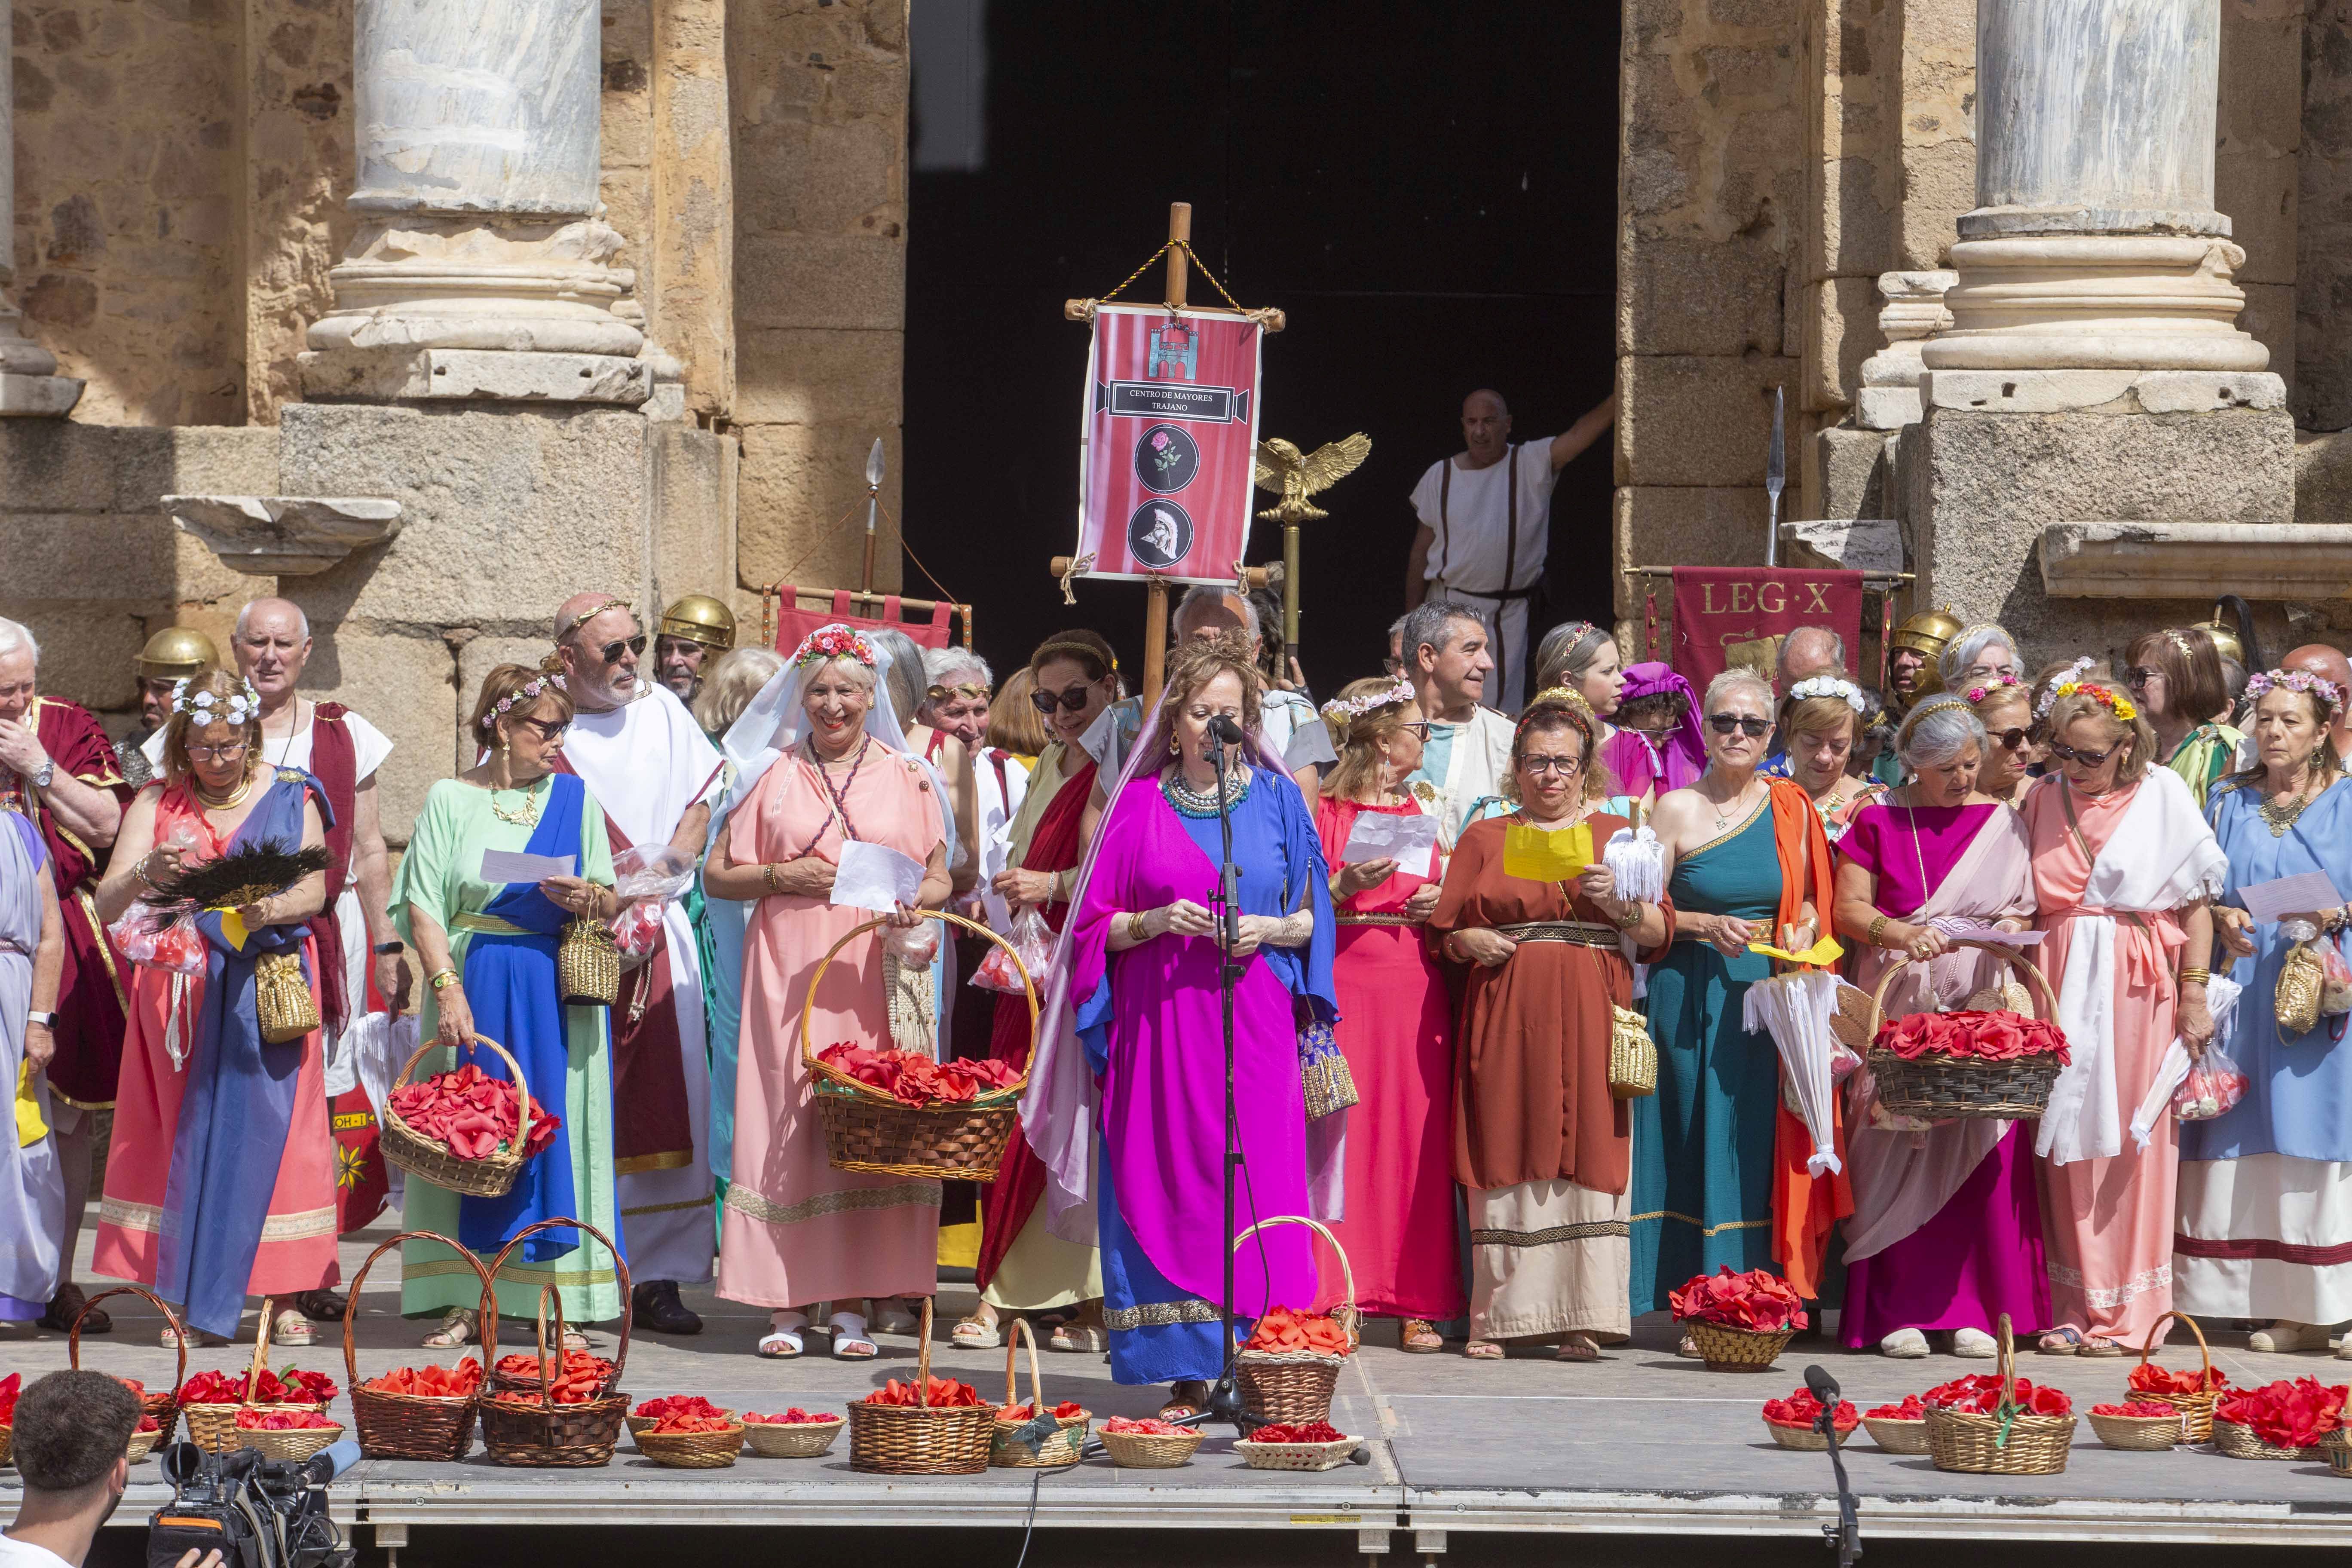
(1704, 1229)
(2243, 1250)
(2139, 1284)
(1552, 1235)
(1159, 1314)
(700, 1203)
(149, 1218)
(516, 1273)
(638, 1164)
(905, 1194)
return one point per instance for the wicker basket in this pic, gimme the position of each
(1804, 1438)
(798, 1440)
(213, 1427)
(1633, 1056)
(2337, 1447)
(7, 1443)
(2239, 1443)
(1005, 1451)
(2138, 1434)
(1297, 1456)
(1727, 1349)
(692, 1450)
(164, 1407)
(588, 964)
(141, 1444)
(1150, 1450)
(870, 1132)
(637, 1422)
(548, 1436)
(416, 1425)
(1295, 1387)
(1896, 1436)
(2196, 1409)
(1978, 1446)
(491, 1176)
(297, 1443)
(1944, 1088)
(920, 1439)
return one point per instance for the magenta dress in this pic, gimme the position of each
(1980, 1255)
(1397, 1032)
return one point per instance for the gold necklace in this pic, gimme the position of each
(525, 814)
(235, 798)
(2282, 818)
(1723, 818)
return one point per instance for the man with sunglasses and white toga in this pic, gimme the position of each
(655, 773)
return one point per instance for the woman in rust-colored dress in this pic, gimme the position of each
(1541, 1144)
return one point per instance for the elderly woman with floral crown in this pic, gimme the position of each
(220, 1180)
(1395, 1026)
(489, 955)
(2266, 1213)
(1541, 1144)
(1820, 722)
(2123, 870)
(824, 764)
(2004, 706)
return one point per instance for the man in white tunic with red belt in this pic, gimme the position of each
(655, 772)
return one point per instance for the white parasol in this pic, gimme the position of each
(1795, 1010)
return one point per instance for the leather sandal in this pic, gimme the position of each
(977, 1334)
(68, 1304)
(458, 1327)
(1419, 1336)
(1482, 1350)
(1578, 1345)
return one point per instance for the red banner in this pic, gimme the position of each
(1737, 615)
(1168, 447)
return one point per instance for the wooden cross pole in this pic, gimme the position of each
(1155, 589)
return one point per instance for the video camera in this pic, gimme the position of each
(256, 1512)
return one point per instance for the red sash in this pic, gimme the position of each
(90, 984)
(1020, 1178)
(1805, 1207)
(334, 762)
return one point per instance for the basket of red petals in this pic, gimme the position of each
(930, 1426)
(564, 1410)
(1738, 1322)
(691, 1434)
(164, 1406)
(1942, 1065)
(418, 1412)
(2280, 1420)
(283, 1434)
(1021, 1439)
(2141, 1425)
(1999, 1425)
(1898, 1428)
(795, 1434)
(899, 1114)
(211, 1400)
(143, 1439)
(150, 1430)
(1315, 1446)
(1147, 1445)
(2193, 1394)
(651, 1412)
(1791, 1421)
(1289, 1366)
(463, 1130)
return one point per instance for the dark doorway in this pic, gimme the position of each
(1429, 191)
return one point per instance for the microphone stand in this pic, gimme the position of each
(1224, 1402)
(1844, 1537)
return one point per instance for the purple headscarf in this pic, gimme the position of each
(1681, 758)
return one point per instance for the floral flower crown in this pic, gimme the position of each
(836, 641)
(2331, 696)
(1845, 691)
(2065, 683)
(1353, 708)
(238, 707)
(2113, 701)
(529, 692)
(1979, 693)
(1580, 711)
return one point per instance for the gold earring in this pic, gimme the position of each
(1174, 749)
(506, 747)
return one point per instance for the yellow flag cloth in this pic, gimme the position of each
(1545, 854)
(1823, 954)
(233, 927)
(30, 1128)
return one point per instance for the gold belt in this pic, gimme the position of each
(1353, 918)
(490, 925)
(1583, 933)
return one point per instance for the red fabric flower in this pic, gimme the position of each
(683, 1421)
(580, 1378)
(291, 1387)
(1759, 1301)
(1312, 1432)
(1913, 1408)
(282, 1421)
(470, 1113)
(913, 1078)
(430, 1382)
(2149, 1378)
(2136, 1407)
(2285, 1415)
(1069, 1410)
(1982, 1394)
(1150, 1427)
(1802, 1409)
(946, 1394)
(795, 1416)
(1981, 1035)
(680, 1405)
(10, 1386)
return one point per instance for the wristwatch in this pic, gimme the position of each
(46, 1020)
(45, 773)
(387, 949)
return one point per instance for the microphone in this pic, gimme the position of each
(331, 1462)
(1822, 1386)
(1223, 729)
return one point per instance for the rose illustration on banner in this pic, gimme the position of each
(1166, 459)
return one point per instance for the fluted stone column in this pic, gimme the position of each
(29, 384)
(481, 267)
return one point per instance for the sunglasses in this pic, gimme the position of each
(635, 644)
(2067, 753)
(1724, 723)
(2139, 675)
(2011, 739)
(550, 729)
(1566, 767)
(1071, 702)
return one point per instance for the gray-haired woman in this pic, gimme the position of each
(1947, 1228)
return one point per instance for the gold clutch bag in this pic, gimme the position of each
(588, 966)
(281, 998)
(2301, 980)
(1632, 1055)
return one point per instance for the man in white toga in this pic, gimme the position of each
(1486, 527)
(655, 772)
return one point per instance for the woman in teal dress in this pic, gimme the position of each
(1705, 1154)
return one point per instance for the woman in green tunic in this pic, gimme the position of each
(499, 939)
(2175, 675)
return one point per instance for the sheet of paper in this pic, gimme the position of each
(1381, 836)
(876, 877)
(513, 866)
(2297, 895)
(1547, 854)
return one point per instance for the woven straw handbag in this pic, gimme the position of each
(588, 966)
(1632, 1055)
(283, 1000)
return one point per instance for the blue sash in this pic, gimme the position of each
(512, 987)
(238, 1109)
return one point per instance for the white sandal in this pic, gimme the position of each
(783, 1340)
(291, 1329)
(849, 1340)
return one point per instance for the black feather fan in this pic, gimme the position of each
(240, 877)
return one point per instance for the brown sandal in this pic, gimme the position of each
(1419, 1336)
(1578, 1345)
(1482, 1350)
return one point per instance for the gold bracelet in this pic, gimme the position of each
(1630, 918)
(768, 875)
(442, 979)
(1876, 926)
(1136, 934)
(2196, 977)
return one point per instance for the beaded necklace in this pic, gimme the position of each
(840, 797)
(1189, 802)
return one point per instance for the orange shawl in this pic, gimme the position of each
(1804, 1207)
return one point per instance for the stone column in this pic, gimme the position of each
(29, 384)
(2094, 244)
(481, 267)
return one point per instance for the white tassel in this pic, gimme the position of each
(1638, 862)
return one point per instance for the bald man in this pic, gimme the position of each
(2329, 664)
(1486, 526)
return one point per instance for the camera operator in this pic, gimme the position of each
(72, 1431)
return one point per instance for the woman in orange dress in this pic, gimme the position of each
(220, 1180)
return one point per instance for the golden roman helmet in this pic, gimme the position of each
(698, 617)
(1927, 633)
(2225, 637)
(176, 653)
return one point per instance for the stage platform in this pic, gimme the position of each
(1640, 1444)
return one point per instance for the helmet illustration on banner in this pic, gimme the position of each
(1159, 534)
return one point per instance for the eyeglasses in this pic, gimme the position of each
(1073, 701)
(1566, 767)
(2067, 753)
(2011, 739)
(1724, 723)
(2139, 675)
(635, 644)
(219, 753)
(1417, 728)
(549, 729)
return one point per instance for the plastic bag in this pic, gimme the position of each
(638, 929)
(2214, 1084)
(159, 939)
(915, 944)
(2335, 981)
(659, 873)
(1033, 939)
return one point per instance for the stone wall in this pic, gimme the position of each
(2323, 291)
(2259, 131)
